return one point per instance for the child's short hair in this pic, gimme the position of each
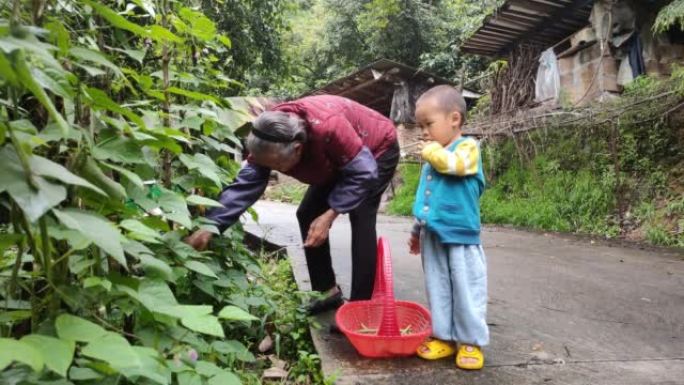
(448, 98)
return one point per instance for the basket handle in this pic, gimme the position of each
(383, 290)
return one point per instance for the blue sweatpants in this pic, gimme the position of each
(456, 282)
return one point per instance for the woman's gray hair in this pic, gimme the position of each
(281, 125)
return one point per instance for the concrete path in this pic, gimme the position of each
(562, 310)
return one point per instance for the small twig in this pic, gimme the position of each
(112, 327)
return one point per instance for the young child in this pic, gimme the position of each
(447, 231)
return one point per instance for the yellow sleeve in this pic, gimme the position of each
(464, 160)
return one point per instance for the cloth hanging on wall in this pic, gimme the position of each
(547, 85)
(636, 56)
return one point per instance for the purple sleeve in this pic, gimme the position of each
(358, 177)
(247, 187)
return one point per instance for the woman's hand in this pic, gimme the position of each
(320, 228)
(199, 240)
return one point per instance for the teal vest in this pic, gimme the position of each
(449, 205)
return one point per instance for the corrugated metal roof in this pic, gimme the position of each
(542, 22)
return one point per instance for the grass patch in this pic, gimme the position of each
(286, 192)
(402, 203)
(544, 197)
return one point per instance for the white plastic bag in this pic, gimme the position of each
(547, 86)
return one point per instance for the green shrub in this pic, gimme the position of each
(402, 203)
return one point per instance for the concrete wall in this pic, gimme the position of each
(586, 76)
(581, 80)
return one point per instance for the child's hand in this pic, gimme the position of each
(414, 244)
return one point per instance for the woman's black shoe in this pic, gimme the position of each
(324, 304)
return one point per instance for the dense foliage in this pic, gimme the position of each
(113, 136)
(670, 16)
(332, 38)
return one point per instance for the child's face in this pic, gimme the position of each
(436, 124)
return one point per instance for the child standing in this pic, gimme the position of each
(447, 231)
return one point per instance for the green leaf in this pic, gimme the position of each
(225, 378)
(95, 57)
(202, 201)
(136, 249)
(79, 263)
(90, 170)
(96, 228)
(102, 101)
(114, 350)
(179, 25)
(234, 313)
(225, 40)
(175, 208)
(206, 324)
(200, 26)
(189, 378)
(59, 35)
(139, 231)
(56, 353)
(152, 366)
(83, 374)
(75, 239)
(26, 78)
(130, 175)
(35, 203)
(203, 164)
(201, 268)
(117, 20)
(136, 54)
(72, 328)
(23, 125)
(155, 293)
(195, 95)
(207, 369)
(50, 169)
(185, 311)
(97, 281)
(7, 240)
(14, 316)
(154, 265)
(92, 71)
(162, 34)
(20, 351)
(47, 82)
(234, 347)
(6, 71)
(119, 150)
(16, 304)
(29, 42)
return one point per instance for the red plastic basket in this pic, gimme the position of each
(386, 315)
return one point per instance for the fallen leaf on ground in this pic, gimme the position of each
(274, 373)
(266, 344)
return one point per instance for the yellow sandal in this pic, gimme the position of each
(434, 349)
(472, 352)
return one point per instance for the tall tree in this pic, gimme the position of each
(255, 28)
(338, 36)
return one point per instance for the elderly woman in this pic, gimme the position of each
(347, 153)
